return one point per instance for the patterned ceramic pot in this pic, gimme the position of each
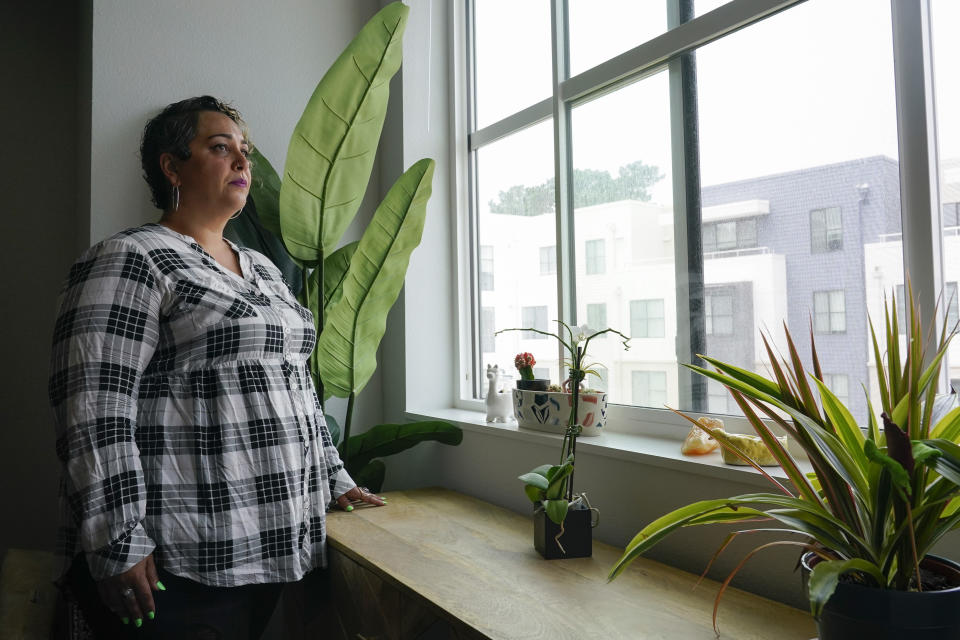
(550, 411)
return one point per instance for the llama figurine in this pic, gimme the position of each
(499, 404)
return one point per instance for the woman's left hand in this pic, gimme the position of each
(359, 495)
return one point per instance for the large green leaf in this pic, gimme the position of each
(347, 349)
(248, 231)
(265, 191)
(387, 439)
(556, 509)
(371, 475)
(335, 267)
(333, 146)
(826, 574)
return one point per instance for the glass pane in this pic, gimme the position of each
(807, 149)
(945, 18)
(623, 203)
(517, 234)
(602, 29)
(514, 63)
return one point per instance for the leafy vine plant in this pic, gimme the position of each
(553, 485)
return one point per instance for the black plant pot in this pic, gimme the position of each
(577, 538)
(857, 611)
(538, 384)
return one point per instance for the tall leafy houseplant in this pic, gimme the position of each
(299, 220)
(878, 499)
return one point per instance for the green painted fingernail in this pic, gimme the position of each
(138, 622)
(349, 507)
(160, 586)
(125, 620)
(151, 615)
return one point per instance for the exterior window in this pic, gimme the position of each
(486, 268)
(729, 235)
(826, 230)
(719, 399)
(649, 388)
(718, 311)
(548, 260)
(839, 384)
(534, 318)
(599, 381)
(487, 324)
(646, 319)
(951, 214)
(949, 298)
(829, 311)
(596, 257)
(543, 373)
(597, 318)
(726, 236)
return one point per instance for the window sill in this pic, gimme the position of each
(658, 451)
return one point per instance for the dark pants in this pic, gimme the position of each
(186, 610)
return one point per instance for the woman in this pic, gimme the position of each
(197, 464)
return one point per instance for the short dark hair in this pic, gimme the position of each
(171, 131)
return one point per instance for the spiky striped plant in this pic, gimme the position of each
(878, 498)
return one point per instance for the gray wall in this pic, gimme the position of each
(38, 230)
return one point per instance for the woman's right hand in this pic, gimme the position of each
(130, 594)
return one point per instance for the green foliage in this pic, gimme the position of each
(589, 187)
(347, 348)
(334, 144)
(547, 485)
(302, 218)
(877, 501)
(362, 451)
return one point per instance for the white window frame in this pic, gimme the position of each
(919, 185)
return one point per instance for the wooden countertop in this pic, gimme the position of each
(476, 564)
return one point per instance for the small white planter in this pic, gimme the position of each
(550, 411)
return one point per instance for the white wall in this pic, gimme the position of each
(265, 57)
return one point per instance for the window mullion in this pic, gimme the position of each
(563, 172)
(919, 179)
(688, 257)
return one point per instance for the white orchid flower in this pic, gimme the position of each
(581, 333)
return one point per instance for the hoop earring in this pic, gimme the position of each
(236, 215)
(175, 196)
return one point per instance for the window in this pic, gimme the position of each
(596, 257)
(600, 380)
(646, 319)
(826, 230)
(949, 299)
(542, 373)
(534, 318)
(791, 152)
(829, 311)
(839, 384)
(486, 268)
(488, 324)
(548, 260)
(649, 388)
(727, 236)
(718, 312)
(597, 318)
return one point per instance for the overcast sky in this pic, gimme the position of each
(812, 85)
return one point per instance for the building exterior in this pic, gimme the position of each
(816, 248)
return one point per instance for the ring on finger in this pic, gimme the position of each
(128, 593)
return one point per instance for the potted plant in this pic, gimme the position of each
(525, 362)
(877, 501)
(563, 519)
(298, 222)
(549, 409)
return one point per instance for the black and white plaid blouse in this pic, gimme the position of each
(187, 422)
